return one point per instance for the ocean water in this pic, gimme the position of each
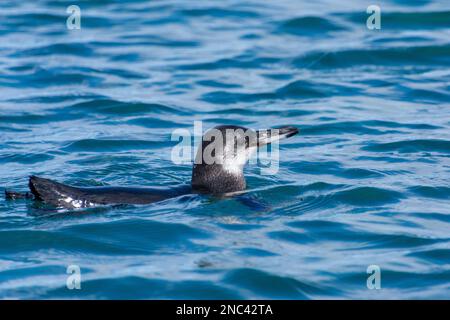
(367, 181)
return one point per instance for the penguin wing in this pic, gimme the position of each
(55, 193)
(63, 196)
(253, 202)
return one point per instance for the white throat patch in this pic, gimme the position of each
(235, 165)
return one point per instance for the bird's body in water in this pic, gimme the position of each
(218, 169)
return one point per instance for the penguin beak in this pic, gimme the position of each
(270, 135)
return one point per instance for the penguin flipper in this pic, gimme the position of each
(51, 192)
(253, 202)
(63, 196)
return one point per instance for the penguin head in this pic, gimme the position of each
(223, 153)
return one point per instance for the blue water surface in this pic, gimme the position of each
(367, 182)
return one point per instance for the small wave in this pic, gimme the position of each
(392, 279)
(307, 204)
(261, 112)
(270, 286)
(336, 169)
(12, 129)
(141, 287)
(368, 196)
(74, 49)
(104, 145)
(255, 252)
(411, 146)
(38, 19)
(29, 240)
(293, 190)
(151, 123)
(291, 236)
(147, 235)
(351, 127)
(414, 20)
(42, 78)
(224, 97)
(26, 20)
(57, 98)
(36, 119)
(114, 107)
(309, 89)
(25, 158)
(441, 256)
(217, 84)
(298, 89)
(425, 95)
(240, 62)
(323, 230)
(397, 241)
(412, 55)
(309, 26)
(431, 192)
(392, 124)
(144, 42)
(440, 217)
(220, 13)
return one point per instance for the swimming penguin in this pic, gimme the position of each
(218, 169)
